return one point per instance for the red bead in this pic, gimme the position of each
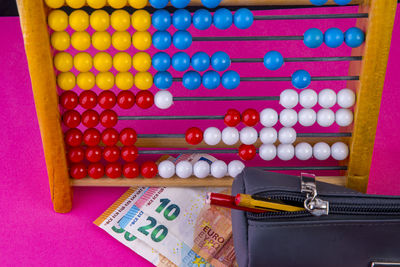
(90, 118)
(232, 118)
(71, 118)
(128, 137)
(96, 170)
(108, 118)
(194, 136)
(69, 100)
(93, 154)
(111, 153)
(76, 154)
(129, 153)
(113, 170)
(247, 152)
(73, 137)
(78, 171)
(88, 99)
(107, 99)
(250, 117)
(91, 137)
(109, 136)
(144, 99)
(126, 99)
(131, 170)
(148, 169)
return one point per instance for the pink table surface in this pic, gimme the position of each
(32, 234)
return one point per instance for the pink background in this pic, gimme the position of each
(34, 235)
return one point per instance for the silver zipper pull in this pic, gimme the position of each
(314, 205)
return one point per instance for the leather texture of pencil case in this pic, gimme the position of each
(340, 227)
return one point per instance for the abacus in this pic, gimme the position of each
(117, 83)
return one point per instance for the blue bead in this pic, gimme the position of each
(220, 61)
(222, 19)
(210, 3)
(161, 19)
(163, 80)
(342, 2)
(354, 37)
(161, 61)
(313, 38)
(180, 3)
(211, 79)
(161, 40)
(182, 40)
(334, 37)
(180, 61)
(273, 60)
(243, 18)
(191, 80)
(301, 79)
(181, 19)
(230, 79)
(158, 3)
(318, 2)
(200, 61)
(202, 19)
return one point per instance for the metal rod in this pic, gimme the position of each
(298, 135)
(171, 117)
(304, 168)
(246, 38)
(280, 79)
(324, 16)
(299, 59)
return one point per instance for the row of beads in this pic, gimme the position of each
(89, 99)
(182, 3)
(334, 37)
(96, 4)
(109, 154)
(90, 118)
(322, 2)
(92, 137)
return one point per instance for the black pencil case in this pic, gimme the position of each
(340, 227)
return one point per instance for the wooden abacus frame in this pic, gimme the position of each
(372, 69)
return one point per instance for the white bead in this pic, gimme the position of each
(307, 117)
(166, 169)
(288, 117)
(303, 151)
(201, 169)
(267, 151)
(308, 98)
(339, 151)
(325, 117)
(346, 98)
(212, 136)
(344, 117)
(248, 135)
(327, 98)
(163, 99)
(287, 135)
(219, 169)
(268, 135)
(268, 117)
(321, 151)
(289, 98)
(230, 135)
(235, 167)
(285, 151)
(184, 169)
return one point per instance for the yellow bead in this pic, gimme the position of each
(137, 4)
(141, 20)
(54, 3)
(122, 61)
(83, 62)
(63, 61)
(96, 4)
(101, 40)
(85, 80)
(141, 40)
(102, 61)
(121, 40)
(100, 20)
(117, 3)
(58, 20)
(60, 40)
(80, 40)
(105, 80)
(124, 80)
(141, 61)
(143, 80)
(120, 20)
(79, 20)
(66, 80)
(75, 3)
